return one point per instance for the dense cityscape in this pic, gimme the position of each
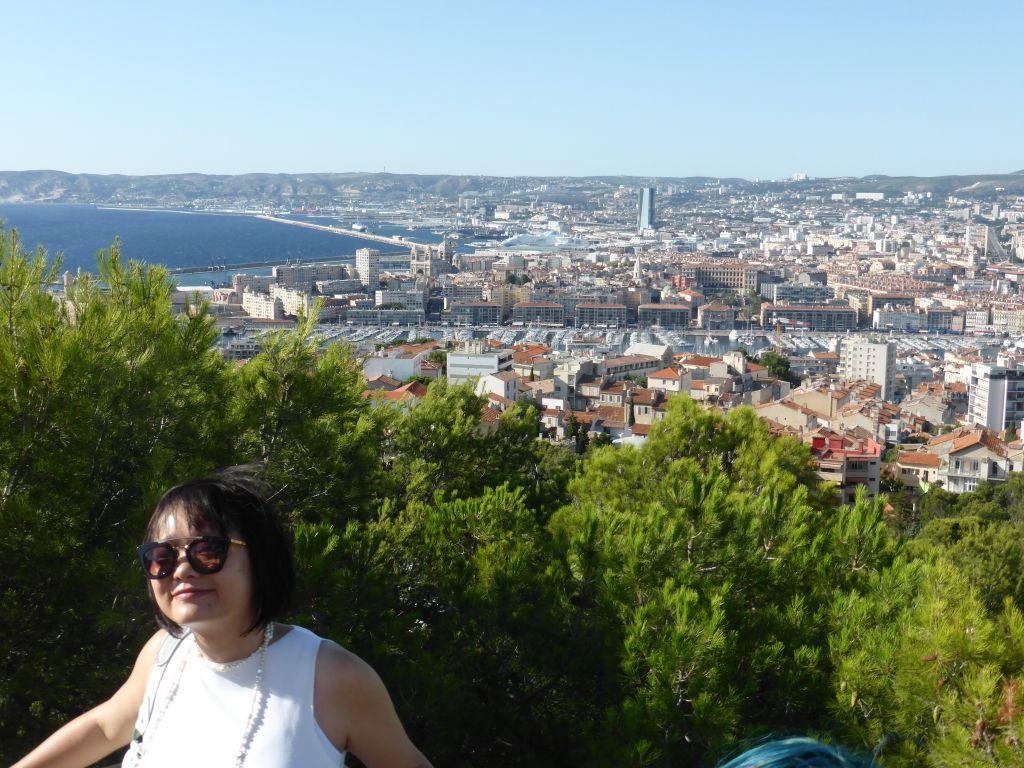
(856, 321)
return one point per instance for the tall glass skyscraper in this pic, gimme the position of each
(645, 219)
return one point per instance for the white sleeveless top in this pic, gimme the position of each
(205, 719)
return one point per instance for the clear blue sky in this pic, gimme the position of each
(746, 88)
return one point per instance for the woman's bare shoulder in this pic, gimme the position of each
(148, 655)
(355, 711)
(340, 671)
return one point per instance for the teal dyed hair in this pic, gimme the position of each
(795, 753)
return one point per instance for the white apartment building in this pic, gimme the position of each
(302, 276)
(282, 302)
(898, 320)
(503, 384)
(977, 319)
(995, 396)
(408, 299)
(873, 361)
(395, 362)
(335, 287)
(262, 305)
(292, 301)
(368, 267)
(1008, 318)
(474, 364)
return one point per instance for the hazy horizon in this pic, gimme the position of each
(513, 175)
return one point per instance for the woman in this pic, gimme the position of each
(222, 676)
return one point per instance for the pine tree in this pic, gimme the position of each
(101, 390)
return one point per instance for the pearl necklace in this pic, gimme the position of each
(257, 692)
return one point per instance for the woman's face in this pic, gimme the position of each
(206, 603)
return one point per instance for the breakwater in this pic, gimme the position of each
(397, 241)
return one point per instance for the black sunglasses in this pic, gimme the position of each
(206, 554)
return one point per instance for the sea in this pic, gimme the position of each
(182, 239)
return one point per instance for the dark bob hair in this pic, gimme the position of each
(233, 502)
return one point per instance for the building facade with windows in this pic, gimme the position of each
(939, 318)
(716, 317)
(739, 277)
(382, 317)
(849, 463)
(796, 293)
(830, 317)
(979, 457)
(302, 276)
(995, 396)
(475, 313)
(601, 315)
(368, 267)
(548, 313)
(670, 316)
(474, 363)
(408, 299)
(874, 361)
(262, 305)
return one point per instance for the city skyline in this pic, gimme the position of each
(919, 89)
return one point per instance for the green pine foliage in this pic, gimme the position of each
(528, 604)
(297, 408)
(105, 399)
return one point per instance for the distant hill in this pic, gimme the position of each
(279, 188)
(978, 185)
(305, 189)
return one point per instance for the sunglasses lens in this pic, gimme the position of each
(207, 555)
(158, 561)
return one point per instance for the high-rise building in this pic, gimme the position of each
(368, 267)
(873, 361)
(645, 218)
(995, 396)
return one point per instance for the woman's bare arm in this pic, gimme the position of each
(354, 710)
(101, 730)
